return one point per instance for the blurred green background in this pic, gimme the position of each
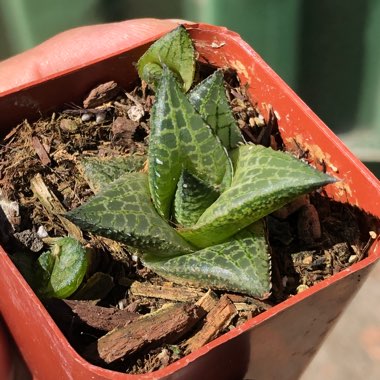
(328, 51)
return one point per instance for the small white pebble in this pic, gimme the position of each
(135, 113)
(86, 117)
(158, 161)
(352, 259)
(100, 117)
(41, 232)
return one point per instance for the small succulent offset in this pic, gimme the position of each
(57, 272)
(197, 216)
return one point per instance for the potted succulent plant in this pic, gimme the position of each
(279, 340)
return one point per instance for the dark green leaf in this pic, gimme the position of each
(192, 198)
(264, 181)
(100, 172)
(174, 50)
(179, 140)
(210, 100)
(124, 212)
(241, 264)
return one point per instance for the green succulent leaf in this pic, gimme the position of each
(60, 270)
(210, 100)
(151, 73)
(264, 181)
(124, 212)
(180, 139)
(174, 50)
(192, 199)
(241, 264)
(100, 172)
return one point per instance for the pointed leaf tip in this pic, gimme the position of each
(124, 212)
(241, 264)
(264, 181)
(210, 100)
(175, 50)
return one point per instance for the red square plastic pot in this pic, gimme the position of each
(278, 343)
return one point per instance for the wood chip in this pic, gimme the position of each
(167, 324)
(101, 94)
(124, 128)
(208, 301)
(101, 318)
(40, 150)
(217, 320)
(237, 297)
(52, 205)
(167, 291)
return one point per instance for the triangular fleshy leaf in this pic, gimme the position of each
(99, 172)
(264, 181)
(174, 50)
(180, 139)
(210, 100)
(192, 199)
(241, 264)
(124, 212)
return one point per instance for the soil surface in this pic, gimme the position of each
(311, 239)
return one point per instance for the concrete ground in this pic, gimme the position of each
(352, 350)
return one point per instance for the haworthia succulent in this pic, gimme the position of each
(100, 172)
(218, 205)
(124, 212)
(192, 199)
(179, 140)
(210, 100)
(176, 51)
(241, 264)
(264, 181)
